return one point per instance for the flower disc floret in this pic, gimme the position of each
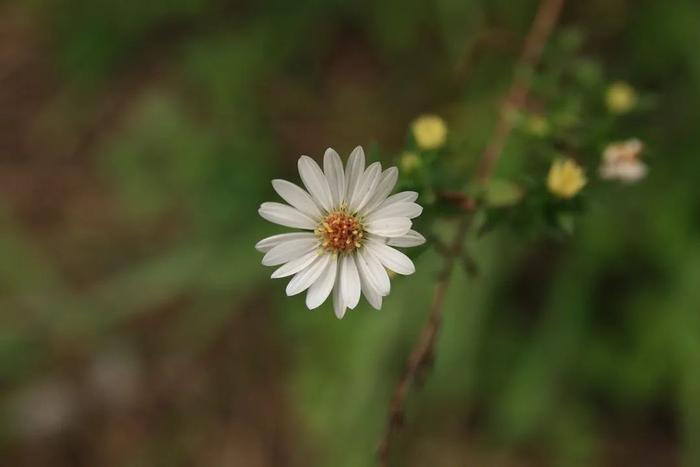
(340, 232)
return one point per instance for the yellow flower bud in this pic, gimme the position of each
(566, 178)
(620, 98)
(430, 131)
(538, 126)
(409, 162)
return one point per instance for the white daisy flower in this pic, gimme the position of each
(351, 225)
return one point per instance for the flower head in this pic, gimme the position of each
(430, 131)
(409, 162)
(538, 126)
(350, 225)
(620, 98)
(565, 178)
(621, 162)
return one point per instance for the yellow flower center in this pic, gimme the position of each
(340, 232)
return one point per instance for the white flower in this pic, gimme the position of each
(352, 224)
(621, 162)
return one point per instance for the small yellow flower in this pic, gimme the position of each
(620, 98)
(409, 162)
(566, 178)
(430, 131)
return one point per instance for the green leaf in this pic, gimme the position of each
(566, 222)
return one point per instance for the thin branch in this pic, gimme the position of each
(437, 243)
(458, 199)
(542, 27)
(424, 349)
(422, 353)
(469, 264)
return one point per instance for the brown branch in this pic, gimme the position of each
(542, 26)
(423, 351)
(458, 200)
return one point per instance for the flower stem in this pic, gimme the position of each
(423, 351)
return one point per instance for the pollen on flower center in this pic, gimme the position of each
(340, 232)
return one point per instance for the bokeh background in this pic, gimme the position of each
(138, 328)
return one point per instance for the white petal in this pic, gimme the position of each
(296, 265)
(369, 288)
(402, 197)
(286, 215)
(371, 294)
(333, 169)
(319, 290)
(266, 244)
(391, 258)
(303, 279)
(297, 197)
(409, 210)
(289, 250)
(412, 238)
(365, 187)
(375, 301)
(632, 172)
(389, 226)
(386, 183)
(353, 171)
(315, 182)
(376, 271)
(350, 281)
(339, 307)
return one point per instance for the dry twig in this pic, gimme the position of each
(423, 351)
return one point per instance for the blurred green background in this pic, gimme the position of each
(138, 328)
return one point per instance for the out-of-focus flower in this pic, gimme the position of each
(621, 162)
(409, 162)
(565, 178)
(620, 98)
(537, 126)
(353, 224)
(430, 131)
